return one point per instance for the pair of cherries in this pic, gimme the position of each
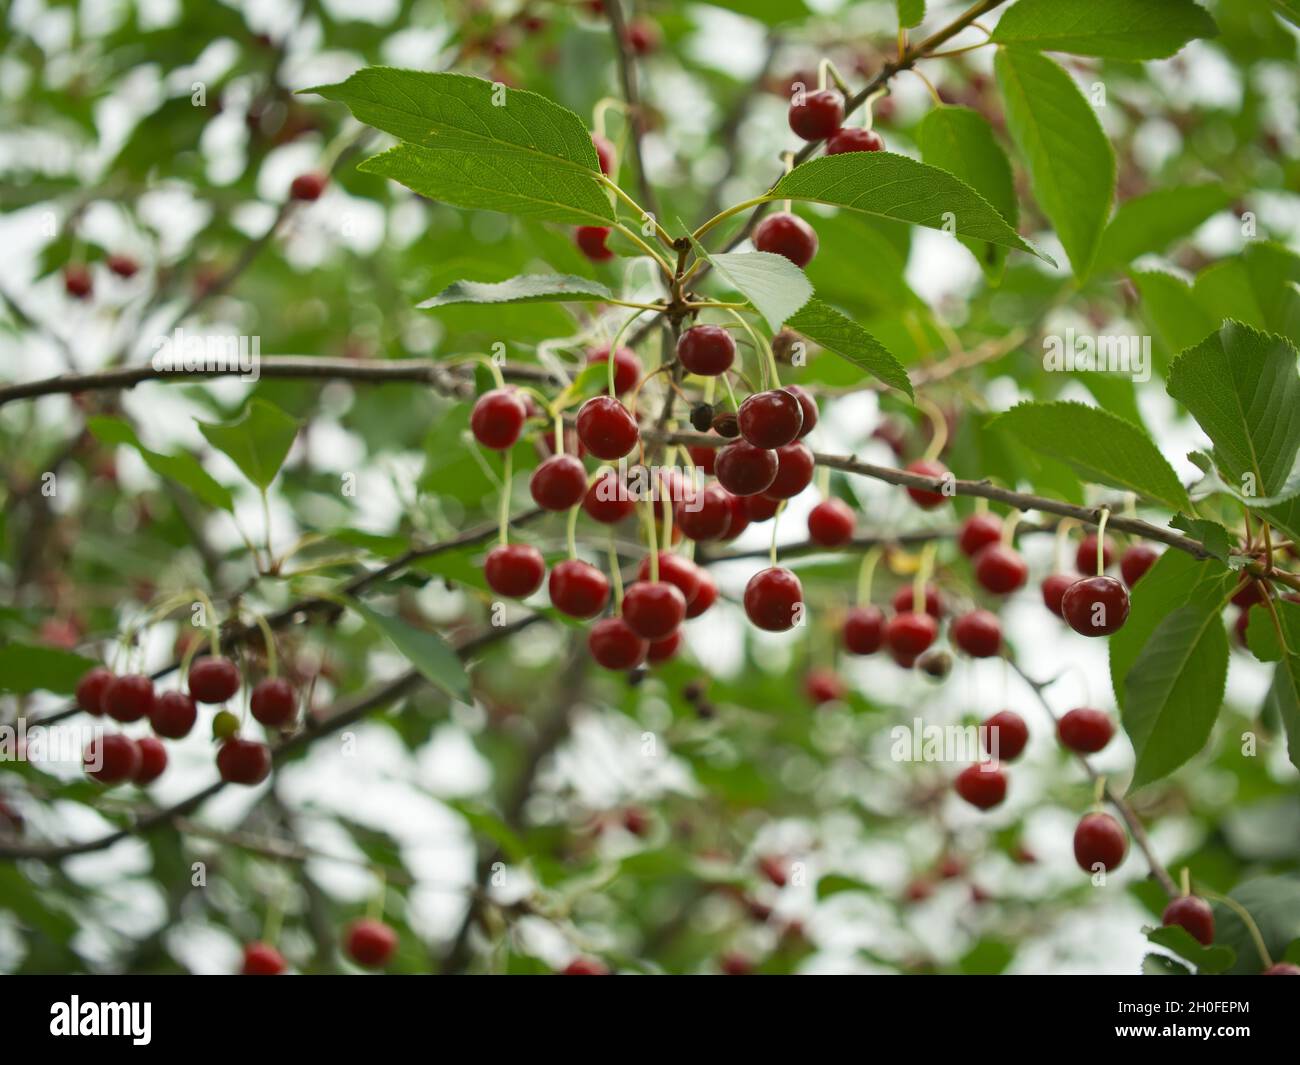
(369, 942)
(769, 458)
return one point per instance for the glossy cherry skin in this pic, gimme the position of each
(118, 757)
(241, 761)
(308, 187)
(705, 596)
(1099, 840)
(585, 967)
(818, 115)
(128, 698)
(274, 703)
(173, 715)
(213, 679)
(677, 570)
(1095, 606)
(370, 943)
(705, 515)
(977, 532)
(823, 686)
(905, 600)
(627, 367)
(614, 645)
(604, 153)
(854, 139)
(770, 419)
(864, 630)
(578, 589)
(91, 688)
(591, 242)
(514, 570)
(809, 407)
(706, 350)
(760, 508)
(703, 458)
(1085, 558)
(774, 599)
(607, 500)
(978, 633)
(1194, 914)
(1000, 569)
(984, 786)
(745, 470)
(606, 428)
(653, 609)
(153, 760)
(923, 497)
(1054, 589)
(1005, 735)
(558, 483)
(794, 471)
(831, 522)
(662, 650)
(911, 633)
(786, 234)
(1085, 730)
(498, 418)
(1136, 560)
(262, 959)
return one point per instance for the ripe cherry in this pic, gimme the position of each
(128, 698)
(984, 786)
(786, 234)
(775, 869)
(514, 570)
(122, 265)
(1099, 840)
(498, 418)
(274, 703)
(733, 963)
(745, 470)
(606, 429)
(307, 187)
(591, 242)
(703, 458)
(818, 115)
(823, 686)
(1282, 968)
(77, 281)
(864, 630)
(1054, 589)
(213, 679)
(831, 522)
(653, 609)
(706, 350)
(1085, 558)
(614, 645)
(910, 633)
(794, 471)
(1136, 560)
(173, 715)
(905, 600)
(705, 597)
(117, 756)
(978, 633)
(770, 419)
(262, 959)
(924, 497)
(604, 153)
(662, 650)
(1085, 730)
(370, 943)
(578, 589)
(241, 761)
(977, 532)
(642, 36)
(627, 367)
(91, 688)
(809, 407)
(558, 483)
(854, 139)
(677, 570)
(153, 760)
(1250, 593)
(1005, 735)
(706, 514)
(585, 967)
(774, 599)
(760, 508)
(905, 661)
(1000, 569)
(1194, 914)
(607, 499)
(1095, 606)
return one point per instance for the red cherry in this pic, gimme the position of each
(978, 634)
(704, 598)
(173, 715)
(703, 458)
(274, 703)
(774, 599)
(905, 600)
(794, 471)
(775, 869)
(606, 428)
(627, 367)
(1054, 589)
(1099, 840)
(1194, 914)
(733, 963)
(923, 497)
(123, 265)
(819, 115)
(823, 686)
(979, 531)
(770, 419)
(706, 350)
(662, 650)
(1136, 560)
(128, 698)
(1282, 968)
(514, 570)
(738, 520)
(636, 821)
(262, 959)
(307, 187)
(578, 589)
(1095, 606)
(1240, 626)
(241, 761)
(614, 645)
(213, 679)
(786, 234)
(854, 139)
(498, 418)
(706, 514)
(370, 943)
(678, 571)
(1005, 735)
(830, 523)
(91, 688)
(117, 756)
(607, 499)
(642, 36)
(864, 630)
(153, 760)
(1000, 569)
(1085, 558)
(653, 609)
(1248, 594)
(905, 661)
(759, 508)
(604, 153)
(77, 281)
(591, 242)
(1085, 730)
(984, 786)
(910, 633)
(745, 470)
(809, 407)
(558, 483)
(585, 967)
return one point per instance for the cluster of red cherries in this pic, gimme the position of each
(368, 941)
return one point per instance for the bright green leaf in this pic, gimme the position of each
(527, 288)
(32, 668)
(827, 327)
(1115, 29)
(257, 441)
(772, 283)
(1152, 222)
(910, 12)
(183, 469)
(426, 651)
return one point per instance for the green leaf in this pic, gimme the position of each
(1114, 29)
(484, 822)
(32, 668)
(960, 141)
(1208, 960)
(426, 651)
(1284, 693)
(1289, 10)
(772, 283)
(1098, 446)
(1175, 312)
(1152, 222)
(827, 327)
(183, 469)
(1273, 903)
(1161, 965)
(257, 441)
(894, 186)
(1212, 535)
(1070, 160)
(837, 884)
(527, 288)
(910, 12)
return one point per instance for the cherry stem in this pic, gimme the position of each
(922, 577)
(766, 360)
(375, 911)
(824, 481)
(1246, 919)
(559, 423)
(1009, 528)
(1063, 528)
(268, 637)
(615, 574)
(1101, 541)
(635, 238)
(827, 67)
(571, 529)
(776, 517)
(1099, 792)
(939, 427)
(274, 916)
(866, 572)
(503, 515)
(603, 105)
(1186, 881)
(869, 105)
(660, 232)
(652, 537)
(668, 509)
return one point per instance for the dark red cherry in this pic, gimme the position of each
(308, 187)
(274, 703)
(514, 570)
(1250, 593)
(854, 139)
(1194, 914)
(614, 645)
(705, 596)
(662, 650)
(607, 500)
(706, 350)
(977, 532)
(1085, 558)
(498, 418)
(123, 266)
(823, 686)
(911, 633)
(585, 967)
(809, 407)
(984, 786)
(831, 522)
(676, 570)
(111, 758)
(653, 609)
(1136, 560)
(1095, 606)
(706, 514)
(642, 36)
(213, 679)
(153, 761)
(978, 633)
(703, 458)
(786, 234)
(759, 508)
(774, 599)
(1000, 569)
(241, 761)
(745, 470)
(1085, 730)
(864, 630)
(578, 589)
(591, 242)
(770, 419)
(128, 698)
(1099, 840)
(91, 688)
(262, 959)
(905, 600)
(370, 943)
(606, 428)
(604, 153)
(558, 483)
(739, 520)
(1005, 735)
(173, 715)
(794, 471)
(1054, 589)
(627, 367)
(77, 281)
(817, 115)
(923, 497)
